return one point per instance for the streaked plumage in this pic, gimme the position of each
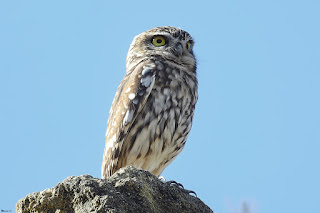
(151, 114)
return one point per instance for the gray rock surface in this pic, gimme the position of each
(128, 190)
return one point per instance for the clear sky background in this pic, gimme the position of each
(256, 131)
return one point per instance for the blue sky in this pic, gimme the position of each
(256, 131)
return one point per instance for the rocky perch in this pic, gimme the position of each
(128, 190)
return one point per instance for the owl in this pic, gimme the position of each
(152, 111)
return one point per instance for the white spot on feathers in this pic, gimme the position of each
(128, 117)
(145, 81)
(132, 96)
(166, 91)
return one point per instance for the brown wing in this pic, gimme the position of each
(130, 98)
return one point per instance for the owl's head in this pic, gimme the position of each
(167, 44)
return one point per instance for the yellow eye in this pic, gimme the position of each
(158, 41)
(189, 45)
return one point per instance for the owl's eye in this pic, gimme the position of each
(158, 41)
(189, 46)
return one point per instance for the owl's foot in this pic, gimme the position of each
(162, 179)
(179, 185)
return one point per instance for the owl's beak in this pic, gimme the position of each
(177, 50)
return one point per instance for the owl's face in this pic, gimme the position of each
(171, 44)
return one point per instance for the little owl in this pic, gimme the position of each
(152, 111)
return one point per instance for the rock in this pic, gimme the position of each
(128, 190)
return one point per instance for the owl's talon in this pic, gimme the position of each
(179, 185)
(190, 192)
(162, 179)
(172, 182)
